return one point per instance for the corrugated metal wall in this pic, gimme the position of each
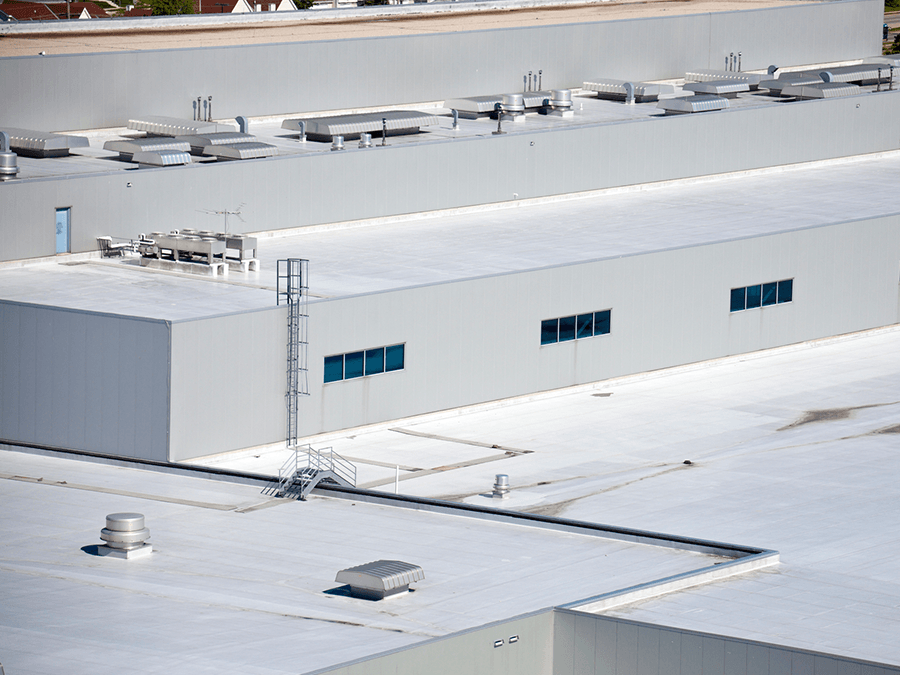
(104, 90)
(585, 644)
(228, 382)
(479, 340)
(289, 192)
(84, 381)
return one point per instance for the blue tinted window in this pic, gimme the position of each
(353, 365)
(785, 290)
(768, 293)
(549, 331)
(567, 328)
(601, 322)
(374, 361)
(393, 358)
(584, 325)
(738, 299)
(334, 368)
(754, 297)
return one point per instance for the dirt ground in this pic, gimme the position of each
(313, 29)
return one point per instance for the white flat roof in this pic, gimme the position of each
(764, 473)
(440, 248)
(238, 581)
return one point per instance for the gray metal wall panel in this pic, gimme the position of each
(83, 381)
(103, 90)
(228, 383)
(292, 191)
(585, 646)
(626, 649)
(605, 648)
(478, 340)
(648, 651)
(690, 653)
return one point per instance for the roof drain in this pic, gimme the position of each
(125, 536)
(9, 167)
(380, 579)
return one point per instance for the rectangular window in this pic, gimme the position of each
(785, 290)
(762, 295)
(575, 327)
(602, 322)
(769, 293)
(738, 299)
(374, 361)
(353, 365)
(334, 368)
(394, 358)
(567, 328)
(549, 331)
(368, 362)
(584, 325)
(753, 296)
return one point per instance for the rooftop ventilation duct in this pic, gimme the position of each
(161, 158)
(808, 92)
(704, 75)
(125, 536)
(243, 124)
(174, 126)
(9, 167)
(365, 140)
(389, 122)
(247, 150)
(560, 102)
(725, 88)
(337, 143)
(127, 148)
(501, 486)
(380, 579)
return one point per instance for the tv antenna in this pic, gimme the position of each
(226, 213)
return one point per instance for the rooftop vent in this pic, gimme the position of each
(380, 579)
(42, 144)
(9, 166)
(174, 126)
(249, 150)
(703, 75)
(615, 90)
(864, 73)
(724, 88)
(484, 106)
(692, 104)
(776, 86)
(125, 536)
(501, 486)
(805, 92)
(127, 148)
(161, 158)
(199, 141)
(390, 122)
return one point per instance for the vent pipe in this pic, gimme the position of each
(9, 167)
(125, 536)
(455, 119)
(540, 79)
(209, 110)
(365, 140)
(499, 110)
(826, 76)
(629, 93)
(243, 124)
(501, 486)
(302, 126)
(772, 70)
(739, 62)
(337, 143)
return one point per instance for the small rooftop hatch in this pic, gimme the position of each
(379, 579)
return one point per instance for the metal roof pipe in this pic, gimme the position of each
(629, 93)
(455, 119)
(302, 126)
(243, 124)
(772, 69)
(9, 167)
(337, 143)
(826, 76)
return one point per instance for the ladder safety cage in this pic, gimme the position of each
(292, 286)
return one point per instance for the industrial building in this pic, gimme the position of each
(432, 228)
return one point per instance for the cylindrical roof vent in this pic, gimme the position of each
(513, 104)
(125, 536)
(337, 143)
(365, 140)
(561, 98)
(9, 167)
(501, 486)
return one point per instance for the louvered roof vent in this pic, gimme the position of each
(379, 579)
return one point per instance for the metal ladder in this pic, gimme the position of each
(307, 467)
(293, 289)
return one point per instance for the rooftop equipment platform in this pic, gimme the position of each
(42, 144)
(806, 92)
(724, 88)
(249, 150)
(692, 104)
(395, 122)
(380, 579)
(128, 147)
(473, 107)
(614, 90)
(174, 126)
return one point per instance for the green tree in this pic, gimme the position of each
(307, 4)
(165, 7)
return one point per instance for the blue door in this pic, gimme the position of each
(62, 230)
